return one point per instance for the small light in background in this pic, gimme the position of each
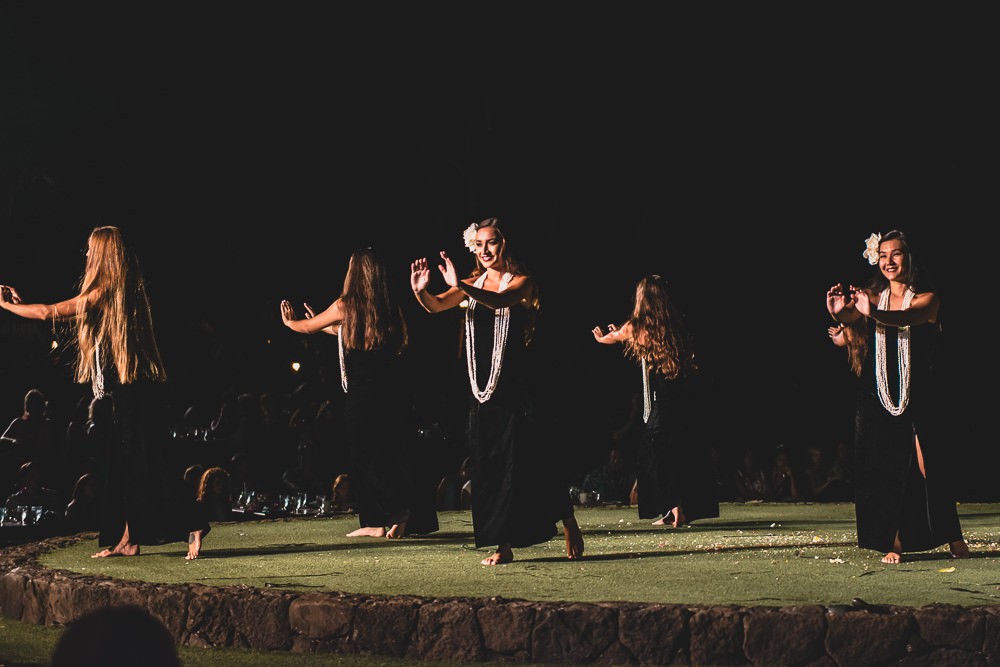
(296, 366)
(55, 343)
(464, 304)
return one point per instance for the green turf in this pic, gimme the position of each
(753, 554)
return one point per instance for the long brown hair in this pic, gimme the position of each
(856, 343)
(114, 315)
(207, 477)
(659, 334)
(373, 319)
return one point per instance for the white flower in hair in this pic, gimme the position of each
(871, 251)
(469, 236)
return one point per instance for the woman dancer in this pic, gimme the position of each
(674, 470)
(371, 335)
(902, 501)
(118, 355)
(516, 501)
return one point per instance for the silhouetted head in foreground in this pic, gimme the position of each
(116, 636)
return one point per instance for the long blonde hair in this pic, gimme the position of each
(659, 335)
(114, 314)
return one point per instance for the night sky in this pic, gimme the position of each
(246, 154)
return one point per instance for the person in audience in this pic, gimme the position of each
(31, 436)
(83, 511)
(116, 636)
(752, 481)
(784, 477)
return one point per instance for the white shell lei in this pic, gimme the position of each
(340, 350)
(647, 401)
(97, 384)
(902, 354)
(501, 324)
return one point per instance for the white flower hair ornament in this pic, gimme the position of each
(871, 251)
(469, 236)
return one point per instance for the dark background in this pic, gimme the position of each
(246, 153)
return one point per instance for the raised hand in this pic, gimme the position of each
(836, 299)
(448, 271)
(861, 301)
(420, 274)
(287, 312)
(9, 295)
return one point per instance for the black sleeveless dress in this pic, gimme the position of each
(517, 497)
(377, 418)
(674, 466)
(133, 467)
(890, 492)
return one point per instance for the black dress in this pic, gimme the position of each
(516, 497)
(377, 416)
(133, 470)
(674, 465)
(890, 492)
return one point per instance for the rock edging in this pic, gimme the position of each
(499, 629)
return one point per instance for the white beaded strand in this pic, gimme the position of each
(97, 385)
(340, 350)
(902, 356)
(501, 324)
(647, 402)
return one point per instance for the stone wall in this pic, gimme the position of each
(495, 629)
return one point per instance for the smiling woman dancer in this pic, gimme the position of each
(117, 354)
(902, 502)
(516, 501)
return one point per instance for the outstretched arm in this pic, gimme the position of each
(12, 302)
(520, 289)
(333, 330)
(615, 333)
(329, 320)
(923, 308)
(420, 275)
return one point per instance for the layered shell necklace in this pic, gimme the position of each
(646, 398)
(340, 350)
(501, 324)
(97, 384)
(902, 355)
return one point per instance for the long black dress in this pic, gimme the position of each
(674, 466)
(377, 418)
(133, 470)
(516, 496)
(891, 494)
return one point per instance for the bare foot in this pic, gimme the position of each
(397, 530)
(892, 558)
(120, 550)
(574, 538)
(502, 556)
(368, 531)
(194, 545)
(660, 521)
(679, 518)
(959, 549)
